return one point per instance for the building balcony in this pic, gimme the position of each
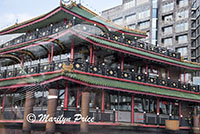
(102, 70)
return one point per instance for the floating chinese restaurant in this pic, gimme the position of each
(70, 61)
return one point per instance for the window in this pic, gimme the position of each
(154, 13)
(168, 18)
(182, 39)
(182, 3)
(183, 51)
(118, 20)
(167, 42)
(140, 2)
(167, 30)
(132, 26)
(143, 25)
(167, 7)
(144, 14)
(130, 18)
(182, 15)
(182, 27)
(129, 4)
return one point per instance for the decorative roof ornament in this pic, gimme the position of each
(65, 1)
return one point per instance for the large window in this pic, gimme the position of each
(144, 14)
(118, 20)
(182, 15)
(129, 4)
(167, 42)
(168, 108)
(117, 101)
(167, 30)
(182, 39)
(168, 18)
(183, 3)
(144, 25)
(167, 7)
(181, 27)
(183, 51)
(130, 18)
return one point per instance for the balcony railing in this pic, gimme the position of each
(61, 26)
(42, 67)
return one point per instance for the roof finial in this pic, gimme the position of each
(60, 2)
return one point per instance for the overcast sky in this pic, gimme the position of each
(12, 11)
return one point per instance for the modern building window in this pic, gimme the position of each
(129, 4)
(182, 39)
(182, 27)
(132, 26)
(130, 18)
(118, 20)
(182, 3)
(168, 18)
(167, 30)
(144, 25)
(167, 42)
(168, 7)
(183, 51)
(154, 13)
(182, 15)
(140, 2)
(144, 14)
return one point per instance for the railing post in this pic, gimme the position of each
(114, 115)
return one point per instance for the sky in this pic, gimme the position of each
(12, 11)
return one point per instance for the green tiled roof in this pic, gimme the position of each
(60, 15)
(83, 12)
(106, 83)
(121, 47)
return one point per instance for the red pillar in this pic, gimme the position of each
(72, 51)
(168, 75)
(52, 48)
(180, 112)
(184, 76)
(66, 96)
(77, 97)
(147, 68)
(158, 109)
(91, 53)
(102, 101)
(22, 61)
(122, 62)
(132, 109)
(93, 56)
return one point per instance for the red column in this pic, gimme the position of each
(77, 97)
(72, 51)
(146, 69)
(158, 109)
(22, 61)
(102, 101)
(122, 62)
(66, 96)
(91, 53)
(168, 75)
(52, 48)
(93, 56)
(184, 76)
(180, 112)
(132, 110)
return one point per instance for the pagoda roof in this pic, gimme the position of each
(99, 83)
(69, 11)
(113, 45)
